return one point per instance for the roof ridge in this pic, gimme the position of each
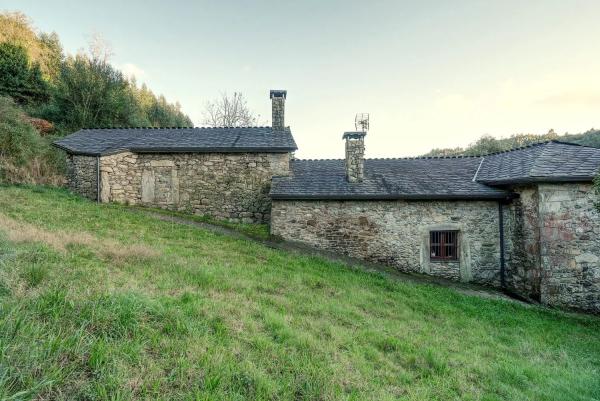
(187, 127)
(534, 144)
(400, 158)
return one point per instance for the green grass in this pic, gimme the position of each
(258, 231)
(208, 317)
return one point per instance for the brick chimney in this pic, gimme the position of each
(278, 104)
(355, 155)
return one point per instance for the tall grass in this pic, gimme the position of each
(209, 317)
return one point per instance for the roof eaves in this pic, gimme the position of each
(494, 196)
(226, 149)
(537, 180)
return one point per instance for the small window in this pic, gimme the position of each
(443, 245)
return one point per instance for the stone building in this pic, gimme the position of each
(222, 172)
(523, 220)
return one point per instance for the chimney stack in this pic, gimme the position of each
(355, 155)
(278, 107)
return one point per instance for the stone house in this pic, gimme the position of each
(523, 220)
(223, 172)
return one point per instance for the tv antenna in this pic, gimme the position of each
(361, 122)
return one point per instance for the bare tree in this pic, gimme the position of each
(229, 111)
(99, 48)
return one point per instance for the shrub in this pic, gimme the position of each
(24, 155)
(19, 140)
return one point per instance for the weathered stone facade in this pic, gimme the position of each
(82, 175)
(570, 246)
(523, 265)
(232, 186)
(397, 233)
(551, 233)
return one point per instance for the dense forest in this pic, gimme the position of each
(45, 94)
(487, 144)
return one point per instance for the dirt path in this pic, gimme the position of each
(464, 288)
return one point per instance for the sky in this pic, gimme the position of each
(429, 73)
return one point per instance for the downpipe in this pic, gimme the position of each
(97, 179)
(502, 258)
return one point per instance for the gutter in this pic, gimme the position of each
(176, 150)
(440, 197)
(538, 180)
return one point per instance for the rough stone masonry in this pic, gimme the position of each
(231, 186)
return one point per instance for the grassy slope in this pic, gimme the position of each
(208, 317)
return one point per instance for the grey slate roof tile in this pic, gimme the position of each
(225, 139)
(552, 161)
(423, 178)
(440, 178)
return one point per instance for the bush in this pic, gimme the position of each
(25, 156)
(19, 141)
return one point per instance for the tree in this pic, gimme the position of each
(18, 79)
(229, 111)
(53, 55)
(487, 144)
(42, 49)
(91, 93)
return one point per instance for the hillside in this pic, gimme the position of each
(46, 93)
(102, 302)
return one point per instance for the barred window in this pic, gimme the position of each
(443, 245)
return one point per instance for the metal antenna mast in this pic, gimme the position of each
(361, 122)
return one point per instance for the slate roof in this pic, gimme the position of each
(476, 177)
(552, 161)
(422, 178)
(100, 142)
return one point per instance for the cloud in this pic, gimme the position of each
(580, 98)
(131, 70)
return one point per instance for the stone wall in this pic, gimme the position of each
(397, 233)
(233, 186)
(82, 175)
(570, 246)
(523, 243)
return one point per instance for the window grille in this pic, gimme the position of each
(443, 245)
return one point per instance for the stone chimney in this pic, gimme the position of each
(278, 104)
(355, 155)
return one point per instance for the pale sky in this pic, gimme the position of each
(430, 73)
